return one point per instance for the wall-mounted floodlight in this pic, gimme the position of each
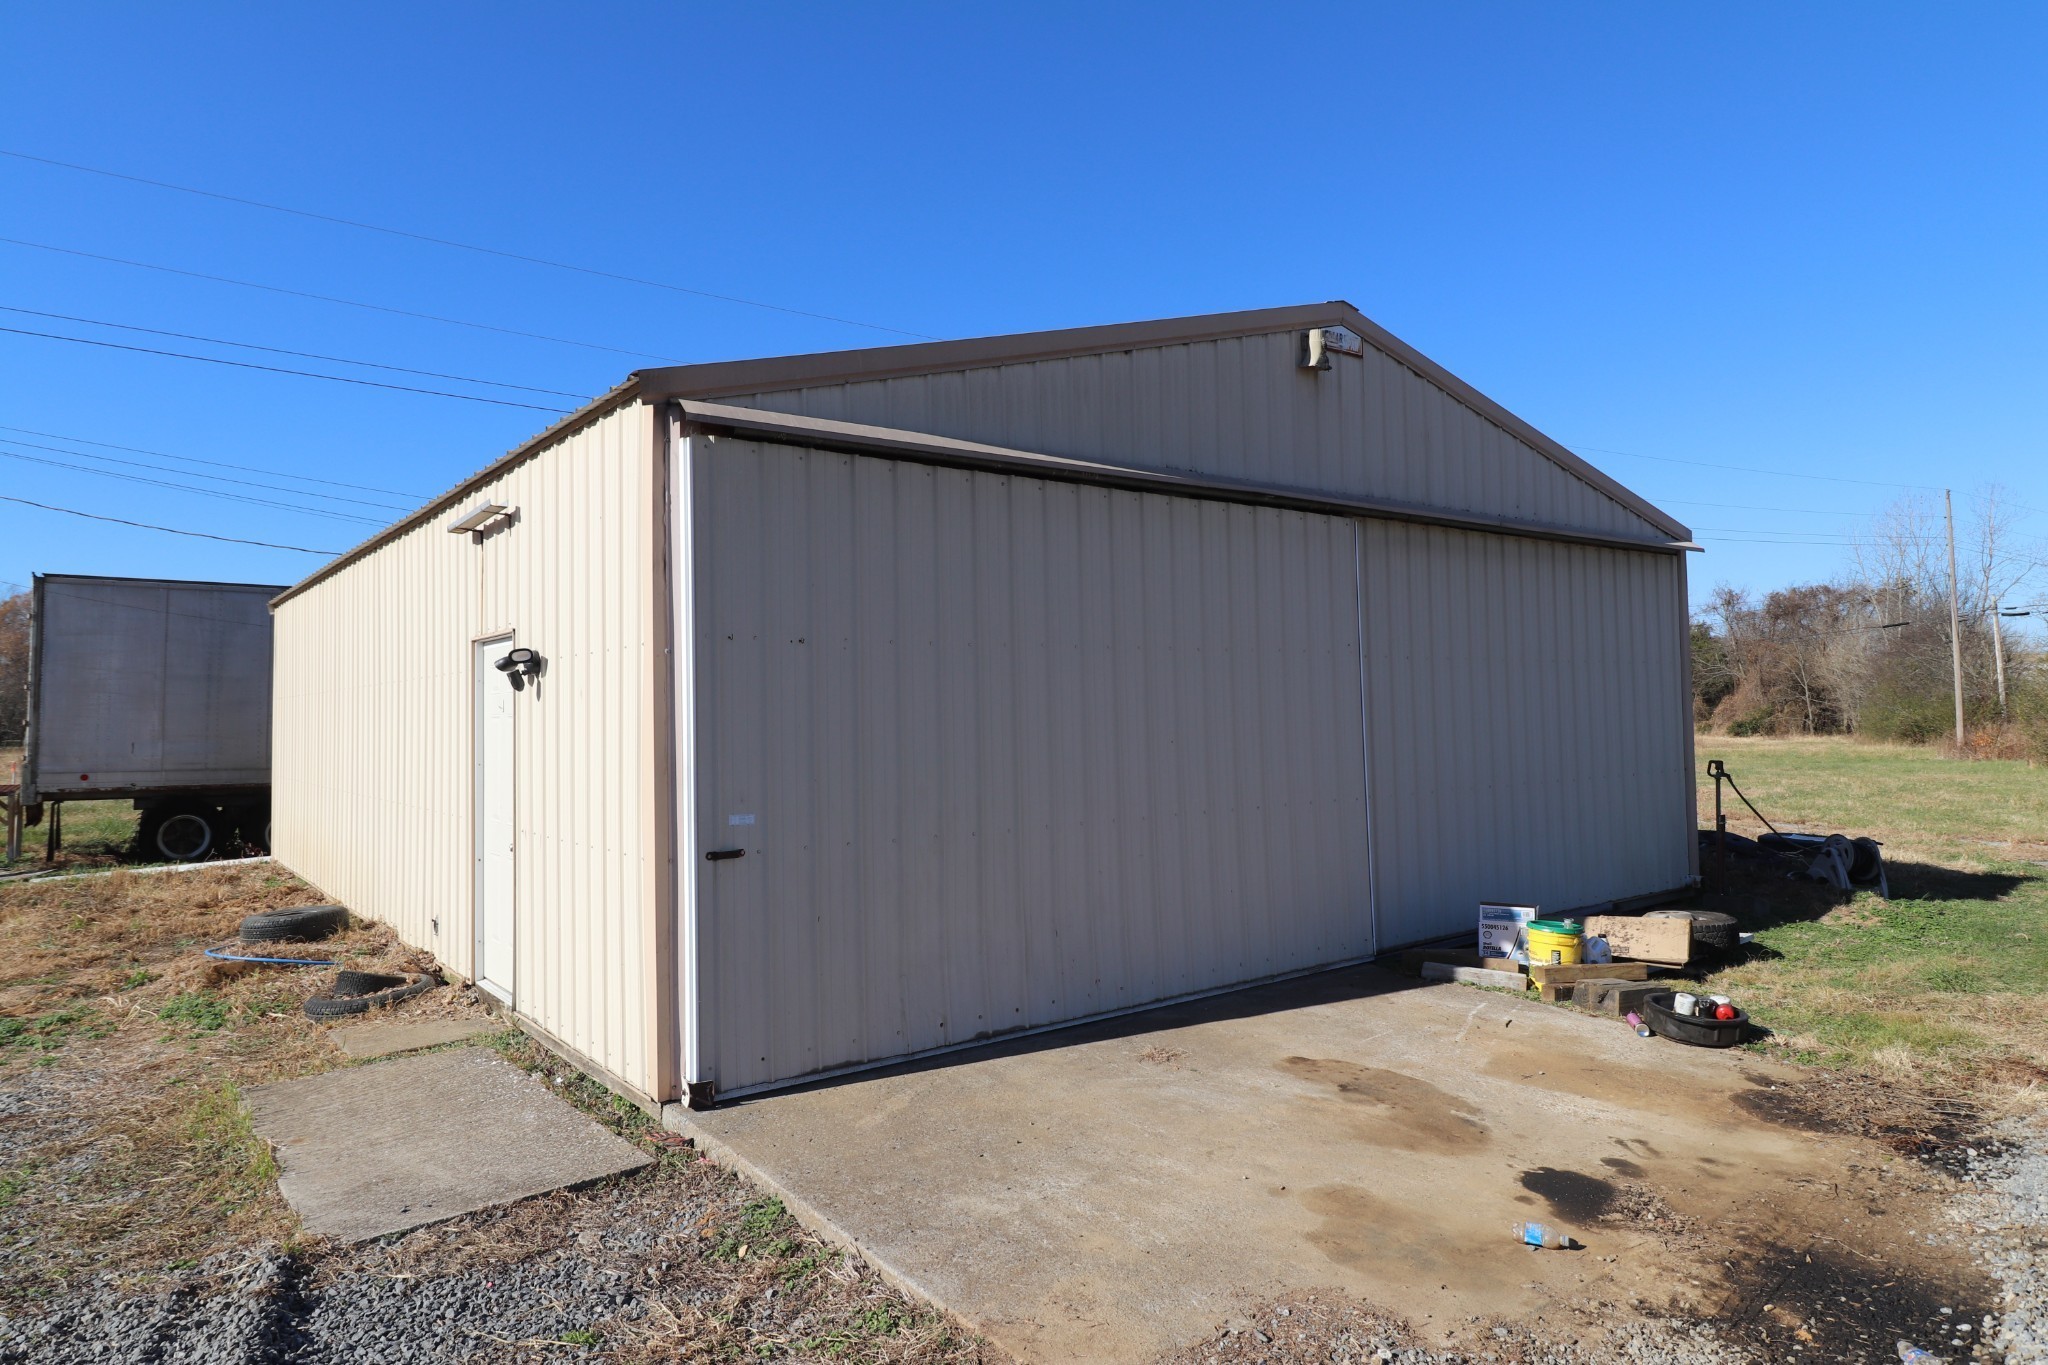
(1318, 344)
(478, 518)
(518, 665)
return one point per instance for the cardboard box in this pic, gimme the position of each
(1504, 929)
(1645, 938)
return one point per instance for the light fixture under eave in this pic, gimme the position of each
(477, 518)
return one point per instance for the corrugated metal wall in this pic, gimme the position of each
(1238, 408)
(373, 735)
(1529, 722)
(1005, 752)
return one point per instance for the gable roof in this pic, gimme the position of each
(714, 379)
(721, 378)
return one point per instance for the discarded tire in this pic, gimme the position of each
(1710, 928)
(301, 922)
(365, 983)
(330, 1005)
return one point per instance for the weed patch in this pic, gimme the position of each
(203, 1010)
(46, 1033)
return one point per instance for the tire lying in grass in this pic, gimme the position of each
(333, 1005)
(297, 924)
(365, 983)
(1710, 928)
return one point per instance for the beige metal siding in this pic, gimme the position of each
(1242, 408)
(373, 735)
(1015, 752)
(1530, 732)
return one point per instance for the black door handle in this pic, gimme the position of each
(719, 855)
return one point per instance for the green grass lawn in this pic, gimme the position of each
(95, 832)
(1948, 981)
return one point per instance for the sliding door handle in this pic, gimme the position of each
(719, 855)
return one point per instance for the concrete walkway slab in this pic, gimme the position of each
(372, 1150)
(388, 1038)
(1114, 1192)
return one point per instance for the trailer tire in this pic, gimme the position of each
(180, 834)
(297, 922)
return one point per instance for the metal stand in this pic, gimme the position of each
(1718, 770)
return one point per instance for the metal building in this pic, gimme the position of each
(767, 719)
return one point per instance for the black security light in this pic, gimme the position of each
(518, 665)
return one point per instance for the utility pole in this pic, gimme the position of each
(1998, 654)
(1955, 614)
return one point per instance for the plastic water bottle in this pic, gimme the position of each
(1913, 1355)
(1543, 1235)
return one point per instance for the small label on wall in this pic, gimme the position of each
(739, 819)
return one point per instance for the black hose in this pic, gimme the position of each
(1747, 802)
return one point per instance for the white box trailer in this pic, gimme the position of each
(155, 690)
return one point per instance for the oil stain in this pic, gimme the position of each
(1783, 1106)
(1375, 1236)
(1621, 1165)
(1393, 1110)
(1824, 1305)
(1571, 1195)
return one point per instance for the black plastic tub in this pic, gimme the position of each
(1680, 1028)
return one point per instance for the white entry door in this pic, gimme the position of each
(494, 822)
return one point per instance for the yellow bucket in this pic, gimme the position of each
(1554, 944)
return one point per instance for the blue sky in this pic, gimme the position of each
(1802, 239)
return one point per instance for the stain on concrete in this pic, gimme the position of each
(1621, 1165)
(1571, 1195)
(1362, 1232)
(1395, 1110)
(1822, 1300)
(1784, 1107)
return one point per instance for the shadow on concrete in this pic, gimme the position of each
(1357, 982)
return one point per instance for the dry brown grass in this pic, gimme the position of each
(123, 1051)
(124, 1145)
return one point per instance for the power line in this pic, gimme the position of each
(188, 488)
(1752, 507)
(171, 530)
(279, 350)
(346, 303)
(1746, 469)
(276, 369)
(464, 246)
(195, 474)
(1843, 537)
(217, 464)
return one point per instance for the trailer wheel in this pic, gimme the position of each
(181, 836)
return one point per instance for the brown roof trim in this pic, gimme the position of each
(618, 397)
(921, 447)
(726, 378)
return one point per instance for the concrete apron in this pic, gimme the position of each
(1116, 1191)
